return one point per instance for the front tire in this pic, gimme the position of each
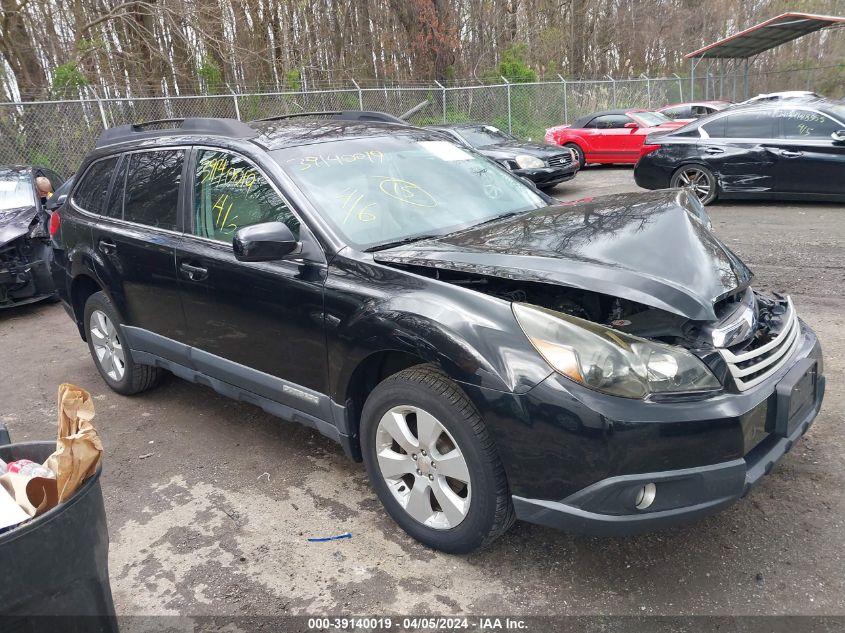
(698, 178)
(579, 154)
(108, 348)
(432, 462)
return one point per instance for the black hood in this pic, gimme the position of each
(515, 148)
(649, 248)
(15, 222)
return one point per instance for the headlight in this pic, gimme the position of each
(610, 361)
(529, 162)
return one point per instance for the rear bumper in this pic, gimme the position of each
(681, 495)
(650, 176)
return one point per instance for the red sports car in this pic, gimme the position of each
(611, 136)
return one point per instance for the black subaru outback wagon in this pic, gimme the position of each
(489, 353)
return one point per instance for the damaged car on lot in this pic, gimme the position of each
(603, 366)
(544, 165)
(25, 251)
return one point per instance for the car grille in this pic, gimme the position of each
(754, 366)
(559, 160)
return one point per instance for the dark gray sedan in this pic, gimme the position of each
(544, 165)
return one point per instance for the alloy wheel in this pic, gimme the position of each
(107, 345)
(697, 180)
(423, 467)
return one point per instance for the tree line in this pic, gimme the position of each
(56, 48)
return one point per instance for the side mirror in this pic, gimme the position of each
(838, 136)
(632, 125)
(61, 200)
(265, 242)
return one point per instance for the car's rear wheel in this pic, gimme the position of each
(432, 462)
(579, 154)
(698, 178)
(108, 348)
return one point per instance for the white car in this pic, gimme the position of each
(785, 95)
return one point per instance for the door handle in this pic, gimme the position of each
(714, 150)
(107, 247)
(789, 153)
(194, 273)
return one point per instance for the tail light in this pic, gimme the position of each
(648, 149)
(55, 223)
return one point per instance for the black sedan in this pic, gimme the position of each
(25, 252)
(544, 165)
(777, 150)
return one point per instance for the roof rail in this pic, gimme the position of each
(231, 128)
(341, 115)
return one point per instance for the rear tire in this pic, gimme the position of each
(579, 154)
(111, 354)
(442, 432)
(699, 178)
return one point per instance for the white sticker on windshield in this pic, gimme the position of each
(8, 185)
(490, 128)
(444, 150)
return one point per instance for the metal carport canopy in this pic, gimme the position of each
(766, 35)
(759, 38)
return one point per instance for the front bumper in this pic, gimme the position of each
(608, 506)
(24, 283)
(548, 176)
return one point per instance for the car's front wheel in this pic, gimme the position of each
(108, 348)
(433, 463)
(698, 178)
(579, 154)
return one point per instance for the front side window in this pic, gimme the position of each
(609, 121)
(92, 191)
(230, 193)
(805, 124)
(152, 188)
(378, 190)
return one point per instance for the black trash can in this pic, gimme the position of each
(57, 564)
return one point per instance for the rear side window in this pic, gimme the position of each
(152, 188)
(805, 124)
(92, 191)
(114, 205)
(750, 125)
(230, 193)
(715, 129)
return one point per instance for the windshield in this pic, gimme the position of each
(15, 190)
(380, 190)
(484, 135)
(651, 118)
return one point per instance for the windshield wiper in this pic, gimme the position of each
(406, 240)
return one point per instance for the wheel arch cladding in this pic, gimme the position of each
(82, 287)
(371, 371)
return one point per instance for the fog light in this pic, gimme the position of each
(645, 496)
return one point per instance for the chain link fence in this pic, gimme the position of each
(58, 134)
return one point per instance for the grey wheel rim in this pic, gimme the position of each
(423, 467)
(697, 180)
(107, 345)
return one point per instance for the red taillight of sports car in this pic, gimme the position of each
(647, 149)
(55, 223)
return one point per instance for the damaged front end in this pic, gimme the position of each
(646, 268)
(25, 258)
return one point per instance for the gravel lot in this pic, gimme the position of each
(210, 501)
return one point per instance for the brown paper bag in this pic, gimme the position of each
(78, 446)
(35, 495)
